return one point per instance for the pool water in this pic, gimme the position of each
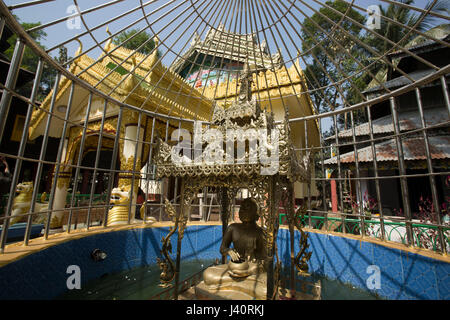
(139, 283)
(142, 283)
(336, 290)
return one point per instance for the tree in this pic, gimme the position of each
(329, 45)
(136, 42)
(407, 18)
(328, 61)
(30, 59)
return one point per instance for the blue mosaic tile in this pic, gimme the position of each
(337, 262)
(403, 276)
(151, 244)
(390, 263)
(283, 244)
(360, 257)
(420, 276)
(442, 270)
(317, 244)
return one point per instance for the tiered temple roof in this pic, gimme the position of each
(222, 44)
(150, 86)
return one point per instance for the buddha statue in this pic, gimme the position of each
(244, 271)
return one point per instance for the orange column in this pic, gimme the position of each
(334, 201)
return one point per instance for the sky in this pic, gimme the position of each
(159, 23)
(174, 21)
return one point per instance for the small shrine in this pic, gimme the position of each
(242, 148)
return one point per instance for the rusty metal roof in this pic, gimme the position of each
(401, 81)
(413, 149)
(407, 120)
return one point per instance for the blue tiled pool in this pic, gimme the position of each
(403, 275)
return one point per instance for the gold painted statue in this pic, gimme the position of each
(22, 203)
(243, 277)
(120, 197)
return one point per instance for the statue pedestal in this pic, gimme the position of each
(219, 285)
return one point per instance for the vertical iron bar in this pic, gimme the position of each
(179, 239)
(401, 166)
(446, 95)
(164, 179)
(176, 178)
(359, 198)
(97, 159)
(10, 83)
(434, 192)
(58, 161)
(23, 142)
(324, 183)
(149, 162)
(290, 212)
(2, 26)
(375, 168)
(40, 164)
(37, 179)
(133, 171)
(338, 161)
(270, 249)
(225, 206)
(309, 184)
(113, 166)
(80, 155)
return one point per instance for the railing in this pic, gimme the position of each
(425, 235)
(79, 199)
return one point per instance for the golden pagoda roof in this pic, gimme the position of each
(135, 79)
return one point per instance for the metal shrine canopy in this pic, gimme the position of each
(269, 181)
(221, 150)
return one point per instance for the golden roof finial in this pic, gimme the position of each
(108, 43)
(80, 48)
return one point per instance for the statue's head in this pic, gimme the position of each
(248, 211)
(120, 195)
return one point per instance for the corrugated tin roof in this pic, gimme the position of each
(413, 149)
(407, 120)
(401, 81)
(414, 46)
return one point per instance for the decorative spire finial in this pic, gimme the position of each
(80, 48)
(246, 79)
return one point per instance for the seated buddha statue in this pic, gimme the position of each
(244, 243)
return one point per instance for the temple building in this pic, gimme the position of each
(185, 90)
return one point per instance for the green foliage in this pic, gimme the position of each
(143, 41)
(398, 34)
(332, 52)
(30, 59)
(333, 42)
